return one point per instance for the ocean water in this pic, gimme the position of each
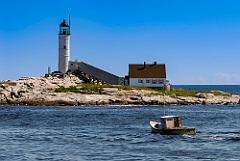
(117, 133)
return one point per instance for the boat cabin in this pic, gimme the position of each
(170, 122)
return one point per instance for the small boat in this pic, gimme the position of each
(170, 125)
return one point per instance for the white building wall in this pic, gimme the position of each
(147, 82)
(64, 53)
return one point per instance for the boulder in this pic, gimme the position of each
(110, 91)
(209, 95)
(173, 96)
(201, 95)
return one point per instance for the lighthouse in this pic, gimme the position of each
(64, 46)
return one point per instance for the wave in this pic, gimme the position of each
(216, 136)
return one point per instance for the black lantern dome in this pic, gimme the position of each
(64, 24)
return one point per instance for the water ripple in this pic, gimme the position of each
(116, 133)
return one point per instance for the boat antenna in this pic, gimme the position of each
(164, 110)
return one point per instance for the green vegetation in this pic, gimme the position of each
(97, 89)
(73, 89)
(86, 89)
(219, 93)
(181, 92)
(192, 93)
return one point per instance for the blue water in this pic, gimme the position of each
(232, 89)
(117, 133)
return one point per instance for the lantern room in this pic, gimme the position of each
(64, 28)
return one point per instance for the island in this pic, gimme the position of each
(71, 91)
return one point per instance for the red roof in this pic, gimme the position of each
(147, 70)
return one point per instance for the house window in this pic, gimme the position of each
(160, 81)
(147, 80)
(140, 81)
(154, 81)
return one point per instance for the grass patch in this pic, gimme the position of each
(219, 93)
(189, 93)
(97, 89)
(85, 89)
(182, 92)
(192, 93)
(73, 89)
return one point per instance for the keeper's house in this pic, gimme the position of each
(147, 75)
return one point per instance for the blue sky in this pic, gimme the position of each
(198, 40)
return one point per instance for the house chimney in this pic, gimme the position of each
(155, 63)
(144, 64)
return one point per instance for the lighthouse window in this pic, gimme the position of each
(65, 47)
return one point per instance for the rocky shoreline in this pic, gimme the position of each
(40, 91)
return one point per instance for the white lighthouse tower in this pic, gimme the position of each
(64, 46)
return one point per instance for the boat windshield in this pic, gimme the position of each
(177, 122)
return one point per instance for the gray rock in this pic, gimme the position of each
(201, 95)
(209, 95)
(110, 91)
(173, 96)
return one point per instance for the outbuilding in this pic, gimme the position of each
(147, 75)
